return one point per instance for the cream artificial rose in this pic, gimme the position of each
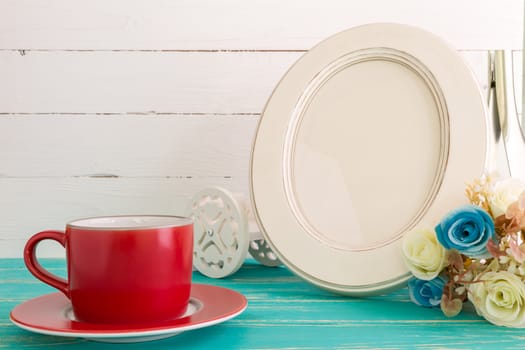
(504, 193)
(423, 254)
(499, 298)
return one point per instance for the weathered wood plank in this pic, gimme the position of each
(149, 83)
(126, 145)
(287, 313)
(139, 82)
(253, 25)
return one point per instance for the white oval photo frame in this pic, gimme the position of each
(317, 182)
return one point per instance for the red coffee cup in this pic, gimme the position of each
(122, 269)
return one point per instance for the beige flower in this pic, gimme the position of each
(504, 193)
(500, 298)
(423, 254)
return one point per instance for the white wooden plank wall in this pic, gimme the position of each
(118, 106)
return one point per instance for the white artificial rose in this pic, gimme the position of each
(504, 193)
(499, 297)
(424, 256)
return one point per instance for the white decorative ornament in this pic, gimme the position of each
(224, 231)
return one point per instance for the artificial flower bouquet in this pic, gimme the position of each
(476, 253)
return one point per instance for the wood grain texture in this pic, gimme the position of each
(126, 145)
(151, 82)
(145, 82)
(283, 312)
(245, 25)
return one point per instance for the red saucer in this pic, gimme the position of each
(52, 314)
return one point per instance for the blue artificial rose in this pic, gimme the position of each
(466, 229)
(426, 293)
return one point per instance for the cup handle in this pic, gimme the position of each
(34, 266)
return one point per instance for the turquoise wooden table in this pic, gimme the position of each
(284, 312)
